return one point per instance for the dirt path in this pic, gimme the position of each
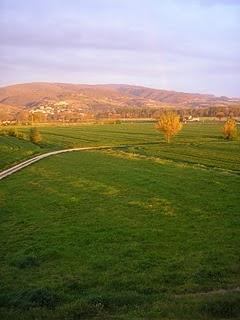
(20, 166)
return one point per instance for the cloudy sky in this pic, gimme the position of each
(184, 45)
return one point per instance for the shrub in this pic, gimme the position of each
(12, 132)
(21, 136)
(3, 132)
(35, 136)
(230, 129)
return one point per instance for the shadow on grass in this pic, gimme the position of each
(222, 306)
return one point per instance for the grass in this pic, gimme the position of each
(138, 233)
(200, 144)
(13, 151)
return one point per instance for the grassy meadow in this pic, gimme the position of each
(145, 231)
(196, 144)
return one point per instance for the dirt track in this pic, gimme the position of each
(20, 166)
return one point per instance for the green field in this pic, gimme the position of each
(148, 231)
(196, 144)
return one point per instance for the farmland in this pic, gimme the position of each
(144, 231)
(197, 144)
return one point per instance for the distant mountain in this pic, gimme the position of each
(97, 97)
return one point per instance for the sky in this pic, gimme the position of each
(182, 45)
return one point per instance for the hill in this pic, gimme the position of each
(99, 100)
(30, 94)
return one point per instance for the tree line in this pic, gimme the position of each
(27, 117)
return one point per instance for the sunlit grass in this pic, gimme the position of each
(118, 235)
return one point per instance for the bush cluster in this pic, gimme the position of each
(13, 132)
(34, 135)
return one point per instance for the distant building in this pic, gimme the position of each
(61, 103)
(192, 119)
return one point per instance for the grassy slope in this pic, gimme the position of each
(101, 234)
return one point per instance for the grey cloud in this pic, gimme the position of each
(84, 37)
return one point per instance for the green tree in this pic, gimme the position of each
(35, 136)
(169, 123)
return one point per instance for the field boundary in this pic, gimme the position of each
(26, 163)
